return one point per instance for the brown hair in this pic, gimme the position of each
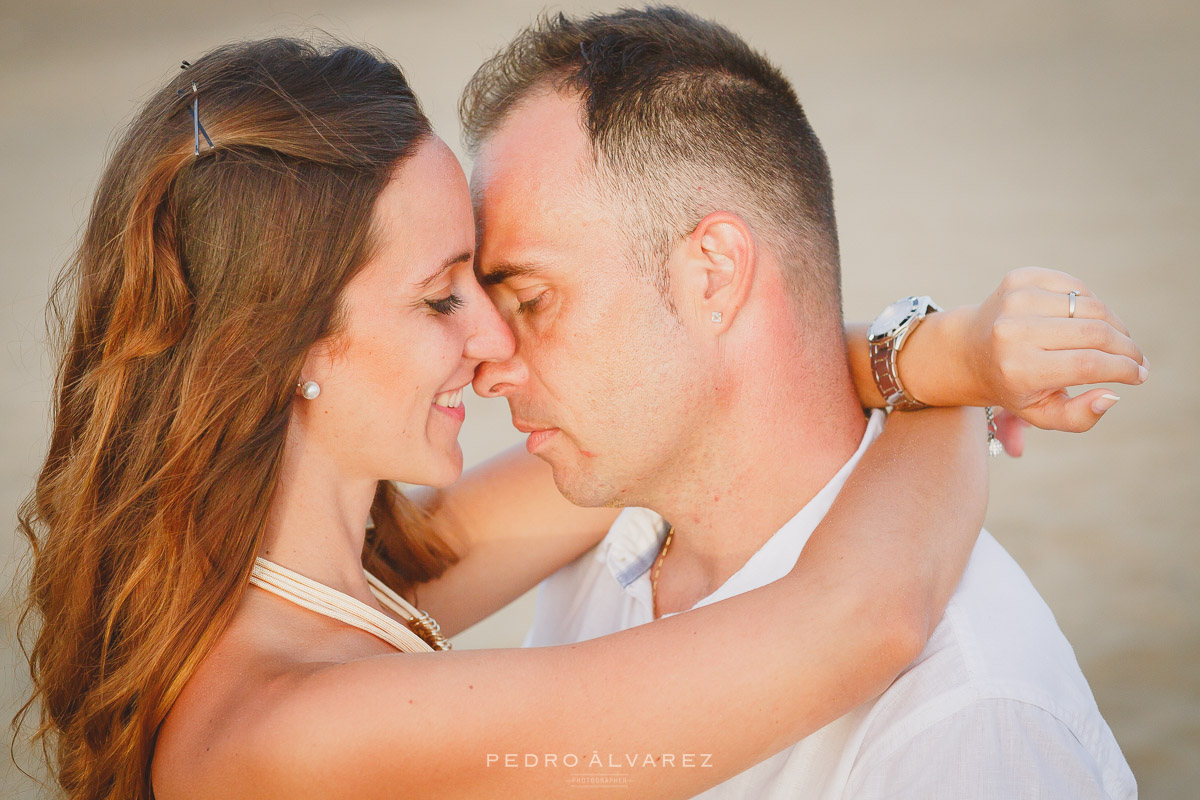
(673, 103)
(183, 321)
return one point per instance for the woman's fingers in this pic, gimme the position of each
(1050, 280)
(1075, 334)
(1054, 369)
(1039, 340)
(1038, 302)
(1010, 430)
(1061, 412)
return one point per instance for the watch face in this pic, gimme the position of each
(892, 318)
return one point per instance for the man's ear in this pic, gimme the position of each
(713, 270)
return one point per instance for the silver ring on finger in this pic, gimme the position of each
(1071, 310)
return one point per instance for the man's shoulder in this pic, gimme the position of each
(998, 638)
(1001, 632)
(993, 748)
(998, 646)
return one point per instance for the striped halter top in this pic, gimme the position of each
(421, 634)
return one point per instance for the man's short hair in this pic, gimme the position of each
(684, 118)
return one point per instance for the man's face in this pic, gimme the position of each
(598, 376)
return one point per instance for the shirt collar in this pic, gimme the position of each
(635, 538)
(633, 543)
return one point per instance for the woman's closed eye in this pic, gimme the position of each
(445, 305)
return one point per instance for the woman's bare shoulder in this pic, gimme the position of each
(357, 729)
(373, 726)
(233, 711)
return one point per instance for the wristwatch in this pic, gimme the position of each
(886, 336)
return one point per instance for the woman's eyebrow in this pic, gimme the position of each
(461, 258)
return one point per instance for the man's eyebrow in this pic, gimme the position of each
(461, 258)
(503, 272)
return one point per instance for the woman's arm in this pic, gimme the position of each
(511, 528)
(772, 665)
(1017, 350)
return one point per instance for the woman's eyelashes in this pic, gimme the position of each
(445, 305)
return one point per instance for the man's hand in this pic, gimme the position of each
(1024, 351)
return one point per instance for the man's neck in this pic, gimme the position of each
(733, 493)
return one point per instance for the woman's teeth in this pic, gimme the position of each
(449, 399)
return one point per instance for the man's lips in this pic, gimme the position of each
(538, 436)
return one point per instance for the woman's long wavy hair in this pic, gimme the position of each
(183, 320)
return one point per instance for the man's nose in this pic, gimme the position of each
(500, 378)
(500, 369)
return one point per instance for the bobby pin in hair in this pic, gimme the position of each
(197, 128)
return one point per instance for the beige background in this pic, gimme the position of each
(966, 138)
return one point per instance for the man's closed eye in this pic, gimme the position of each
(527, 306)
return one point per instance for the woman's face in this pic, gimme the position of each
(416, 325)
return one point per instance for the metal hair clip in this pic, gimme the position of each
(197, 128)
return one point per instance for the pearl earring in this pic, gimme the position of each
(309, 390)
(716, 316)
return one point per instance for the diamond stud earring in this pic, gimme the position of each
(309, 390)
(716, 316)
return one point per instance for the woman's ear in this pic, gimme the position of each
(317, 368)
(712, 271)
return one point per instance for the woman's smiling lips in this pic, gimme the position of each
(451, 404)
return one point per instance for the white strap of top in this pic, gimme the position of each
(320, 598)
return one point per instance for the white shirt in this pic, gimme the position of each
(995, 706)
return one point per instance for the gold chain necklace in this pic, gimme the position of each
(658, 568)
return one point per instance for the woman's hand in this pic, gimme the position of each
(1024, 351)
(1018, 349)
(1010, 430)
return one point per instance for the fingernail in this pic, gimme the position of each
(1104, 402)
(1145, 361)
(1143, 373)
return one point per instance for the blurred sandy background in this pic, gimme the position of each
(966, 138)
